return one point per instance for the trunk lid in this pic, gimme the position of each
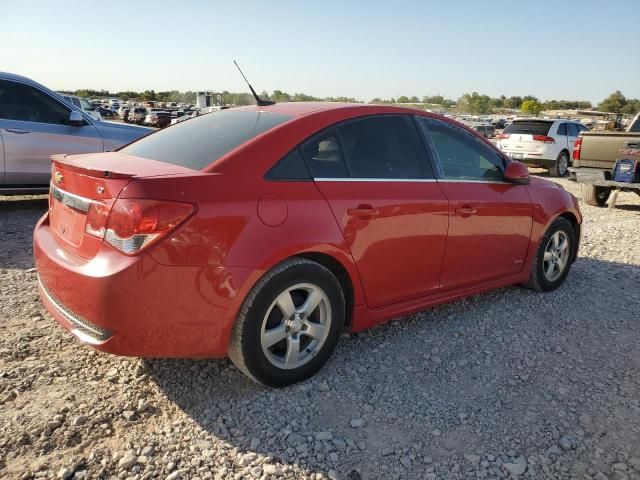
(520, 136)
(80, 184)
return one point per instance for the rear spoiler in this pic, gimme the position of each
(60, 159)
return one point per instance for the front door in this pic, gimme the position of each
(392, 213)
(34, 126)
(489, 220)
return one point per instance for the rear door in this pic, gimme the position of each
(392, 213)
(34, 125)
(561, 136)
(489, 219)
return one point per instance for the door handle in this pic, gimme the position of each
(17, 130)
(466, 211)
(363, 211)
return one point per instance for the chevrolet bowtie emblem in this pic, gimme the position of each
(58, 177)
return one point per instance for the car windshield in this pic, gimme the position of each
(529, 127)
(203, 140)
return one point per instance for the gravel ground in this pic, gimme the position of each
(506, 384)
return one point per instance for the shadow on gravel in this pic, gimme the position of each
(470, 371)
(18, 216)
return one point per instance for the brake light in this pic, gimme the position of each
(502, 136)
(577, 147)
(132, 224)
(543, 139)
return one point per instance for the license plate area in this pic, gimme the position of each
(68, 223)
(516, 156)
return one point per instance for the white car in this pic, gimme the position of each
(539, 142)
(82, 104)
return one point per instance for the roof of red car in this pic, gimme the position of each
(298, 109)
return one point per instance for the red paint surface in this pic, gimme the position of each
(421, 244)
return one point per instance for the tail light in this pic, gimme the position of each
(132, 224)
(577, 147)
(543, 139)
(503, 136)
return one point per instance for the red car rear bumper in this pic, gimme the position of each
(136, 306)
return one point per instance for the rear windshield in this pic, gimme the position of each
(529, 127)
(202, 140)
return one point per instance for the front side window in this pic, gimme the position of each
(27, 104)
(460, 155)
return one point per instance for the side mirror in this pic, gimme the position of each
(76, 119)
(516, 173)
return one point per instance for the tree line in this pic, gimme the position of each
(228, 98)
(473, 102)
(483, 104)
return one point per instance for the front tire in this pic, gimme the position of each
(595, 196)
(554, 256)
(561, 166)
(289, 324)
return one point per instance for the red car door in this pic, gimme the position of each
(393, 215)
(489, 220)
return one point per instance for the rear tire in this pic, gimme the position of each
(289, 324)
(561, 165)
(553, 259)
(595, 196)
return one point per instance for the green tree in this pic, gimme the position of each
(531, 107)
(513, 102)
(474, 103)
(403, 99)
(613, 103)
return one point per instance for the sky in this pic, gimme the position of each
(573, 50)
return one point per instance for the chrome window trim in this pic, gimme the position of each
(402, 180)
(454, 180)
(70, 199)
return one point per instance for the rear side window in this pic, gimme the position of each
(324, 156)
(203, 140)
(573, 129)
(381, 147)
(562, 129)
(291, 167)
(529, 127)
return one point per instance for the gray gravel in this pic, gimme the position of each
(510, 384)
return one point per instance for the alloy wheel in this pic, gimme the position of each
(556, 256)
(296, 326)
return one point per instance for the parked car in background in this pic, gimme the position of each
(594, 158)
(35, 123)
(157, 118)
(82, 104)
(137, 115)
(500, 123)
(263, 233)
(105, 112)
(541, 142)
(487, 131)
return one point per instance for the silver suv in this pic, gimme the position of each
(35, 123)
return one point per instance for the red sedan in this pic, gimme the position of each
(262, 233)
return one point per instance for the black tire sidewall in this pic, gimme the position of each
(559, 224)
(557, 166)
(256, 361)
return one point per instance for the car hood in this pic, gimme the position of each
(116, 135)
(121, 127)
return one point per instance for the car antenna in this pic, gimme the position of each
(259, 101)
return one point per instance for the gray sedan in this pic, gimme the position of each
(35, 123)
